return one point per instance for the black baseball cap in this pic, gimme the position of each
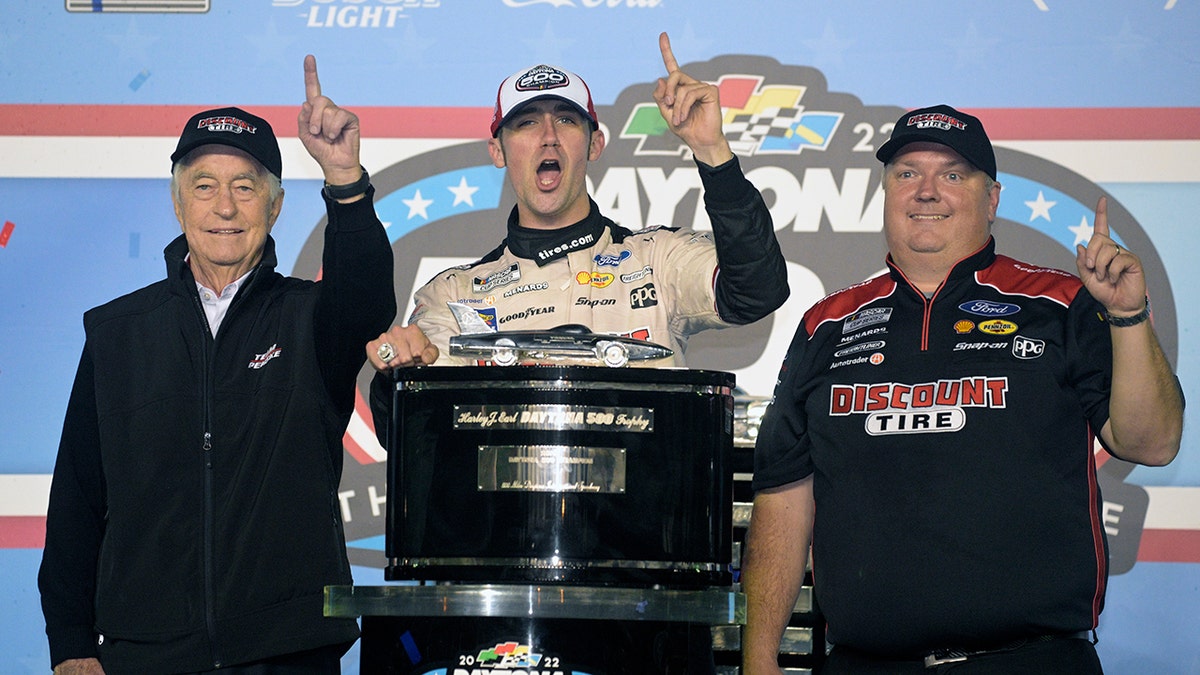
(942, 124)
(237, 129)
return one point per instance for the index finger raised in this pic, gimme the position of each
(1100, 226)
(312, 85)
(668, 57)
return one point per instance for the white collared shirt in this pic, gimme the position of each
(215, 305)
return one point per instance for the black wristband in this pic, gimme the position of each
(1126, 321)
(349, 190)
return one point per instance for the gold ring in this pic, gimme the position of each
(385, 352)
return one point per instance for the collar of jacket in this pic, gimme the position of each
(963, 268)
(546, 246)
(179, 273)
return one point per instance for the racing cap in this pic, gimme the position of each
(942, 124)
(537, 83)
(237, 129)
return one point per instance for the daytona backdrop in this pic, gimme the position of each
(1081, 99)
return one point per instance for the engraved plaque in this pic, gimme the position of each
(551, 468)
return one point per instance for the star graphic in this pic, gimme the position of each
(828, 49)
(1083, 231)
(417, 205)
(413, 46)
(463, 192)
(1126, 45)
(972, 49)
(1039, 208)
(548, 46)
(271, 46)
(133, 45)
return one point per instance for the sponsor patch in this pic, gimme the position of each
(862, 347)
(979, 346)
(643, 296)
(500, 278)
(597, 279)
(523, 288)
(526, 313)
(637, 276)
(866, 317)
(261, 360)
(598, 302)
(989, 308)
(858, 336)
(997, 327)
(609, 260)
(1028, 348)
(962, 327)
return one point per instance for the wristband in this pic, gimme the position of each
(349, 190)
(1126, 321)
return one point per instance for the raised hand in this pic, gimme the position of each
(692, 109)
(1111, 273)
(329, 133)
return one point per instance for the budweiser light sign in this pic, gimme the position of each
(812, 154)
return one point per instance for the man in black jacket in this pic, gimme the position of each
(193, 519)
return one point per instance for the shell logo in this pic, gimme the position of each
(963, 326)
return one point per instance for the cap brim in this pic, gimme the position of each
(888, 150)
(504, 120)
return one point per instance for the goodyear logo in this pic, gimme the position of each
(998, 327)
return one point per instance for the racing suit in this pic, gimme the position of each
(659, 284)
(950, 441)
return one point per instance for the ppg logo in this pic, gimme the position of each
(643, 296)
(1027, 348)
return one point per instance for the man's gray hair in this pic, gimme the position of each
(274, 185)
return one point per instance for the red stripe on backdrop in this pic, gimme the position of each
(22, 531)
(1064, 124)
(1182, 546)
(168, 120)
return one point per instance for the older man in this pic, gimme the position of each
(193, 520)
(932, 435)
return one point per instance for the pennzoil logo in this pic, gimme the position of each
(997, 327)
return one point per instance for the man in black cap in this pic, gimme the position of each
(194, 520)
(932, 434)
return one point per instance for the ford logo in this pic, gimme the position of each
(989, 308)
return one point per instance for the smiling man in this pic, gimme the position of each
(931, 435)
(563, 262)
(194, 520)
